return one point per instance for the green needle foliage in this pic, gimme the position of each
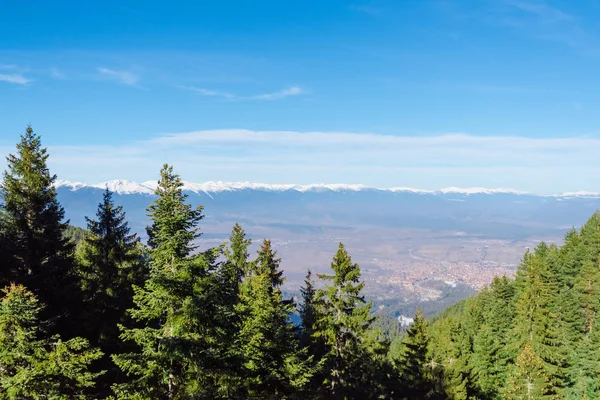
(111, 262)
(308, 314)
(344, 327)
(174, 303)
(273, 367)
(34, 366)
(37, 252)
(413, 363)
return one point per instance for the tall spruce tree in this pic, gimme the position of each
(38, 255)
(273, 367)
(111, 262)
(585, 371)
(528, 378)
(490, 352)
(34, 365)
(229, 276)
(535, 323)
(308, 312)
(174, 348)
(231, 272)
(344, 326)
(412, 365)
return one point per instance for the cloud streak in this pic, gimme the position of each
(124, 77)
(545, 12)
(544, 165)
(540, 20)
(16, 79)
(56, 74)
(290, 91)
(209, 92)
(281, 94)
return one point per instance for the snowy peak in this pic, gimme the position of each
(479, 190)
(117, 186)
(125, 187)
(210, 187)
(148, 187)
(220, 186)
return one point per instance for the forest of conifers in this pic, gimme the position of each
(95, 313)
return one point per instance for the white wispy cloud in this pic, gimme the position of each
(281, 94)
(125, 77)
(287, 92)
(17, 79)
(56, 74)
(541, 20)
(209, 92)
(542, 165)
(546, 12)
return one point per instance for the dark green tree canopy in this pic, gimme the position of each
(34, 367)
(39, 255)
(111, 262)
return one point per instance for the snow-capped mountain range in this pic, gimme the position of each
(148, 187)
(498, 213)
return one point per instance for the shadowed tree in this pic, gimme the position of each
(37, 252)
(110, 261)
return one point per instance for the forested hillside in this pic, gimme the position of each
(96, 313)
(536, 336)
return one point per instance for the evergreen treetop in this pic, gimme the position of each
(39, 254)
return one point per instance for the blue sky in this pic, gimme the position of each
(428, 94)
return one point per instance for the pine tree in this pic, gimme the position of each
(273, 367)
(229, 276)
(39, 255)
(528, 378)
(237, 264)
(413, 364)
(585, 370)
(490, 355)
(308, 313)
(33, 366)
(537, 326)
(344, 326)
(588, 289)
(231, 272)
(110, 261)
(175, 304)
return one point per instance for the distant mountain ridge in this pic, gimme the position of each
(130, 187)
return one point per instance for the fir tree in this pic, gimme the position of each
(308, 312)
(34, 366)
(175, 304)
(110, 262)
(237, 263)
(585, 371)
(38, 253)
(528, 378)
(229, 279)
(490, 353)
(272, 365)
(536, 325)
(344, 326)
(588, 289)
(413, 364)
